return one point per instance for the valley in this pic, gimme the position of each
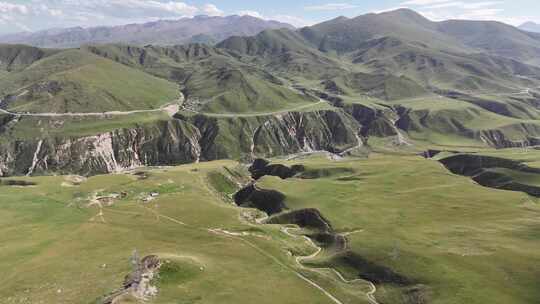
(379, 159)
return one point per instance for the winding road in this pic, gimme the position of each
(171, 109)
(301, 107)
(299, 259)
(241, 238)
(252, 245)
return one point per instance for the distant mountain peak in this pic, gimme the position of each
(201, 28)
(405, 14)
(341, 18)
(402, 11)
(530, 26)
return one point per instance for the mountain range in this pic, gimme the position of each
(403, 164)
(203, 29)
(390, 77)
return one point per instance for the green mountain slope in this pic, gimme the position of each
(212, 80)
(495, 37)
(78, 81)
(285, 52)
(17, 57)
(381, 86)
(344, 35)
(371, 80)
(400, 54)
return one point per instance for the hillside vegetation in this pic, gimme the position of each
(78, 81)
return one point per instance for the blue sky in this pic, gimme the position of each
(32, 15)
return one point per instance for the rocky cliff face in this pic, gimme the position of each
(188, 139)
(272, 135)
(181, 140)
(501, 138)
(164, 143)
(509, 136)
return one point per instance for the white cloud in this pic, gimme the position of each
(55, 12)
(423, 2)
(12, 14)
(11, 8)
(137, 8)
(293, 20)
(251, 13)
(331, 7)
(212, 10)
(389, 9)
(439, 10)
(40, 14)
(464, 5)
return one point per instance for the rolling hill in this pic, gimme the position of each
(77, 81)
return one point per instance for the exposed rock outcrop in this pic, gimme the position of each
(500, 139)
(164, 143)
(138, 283)
(194, 138)
(273, 135)
(185, 139)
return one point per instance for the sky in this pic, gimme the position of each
(33, 15)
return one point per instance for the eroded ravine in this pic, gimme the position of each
(321, 235)
(486, 171)
(138, 283)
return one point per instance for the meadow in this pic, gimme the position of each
(445, 238)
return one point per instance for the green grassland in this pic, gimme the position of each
(57, 249)
(467, 243)
(78, 81)
(458, 241)
(35, 127)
